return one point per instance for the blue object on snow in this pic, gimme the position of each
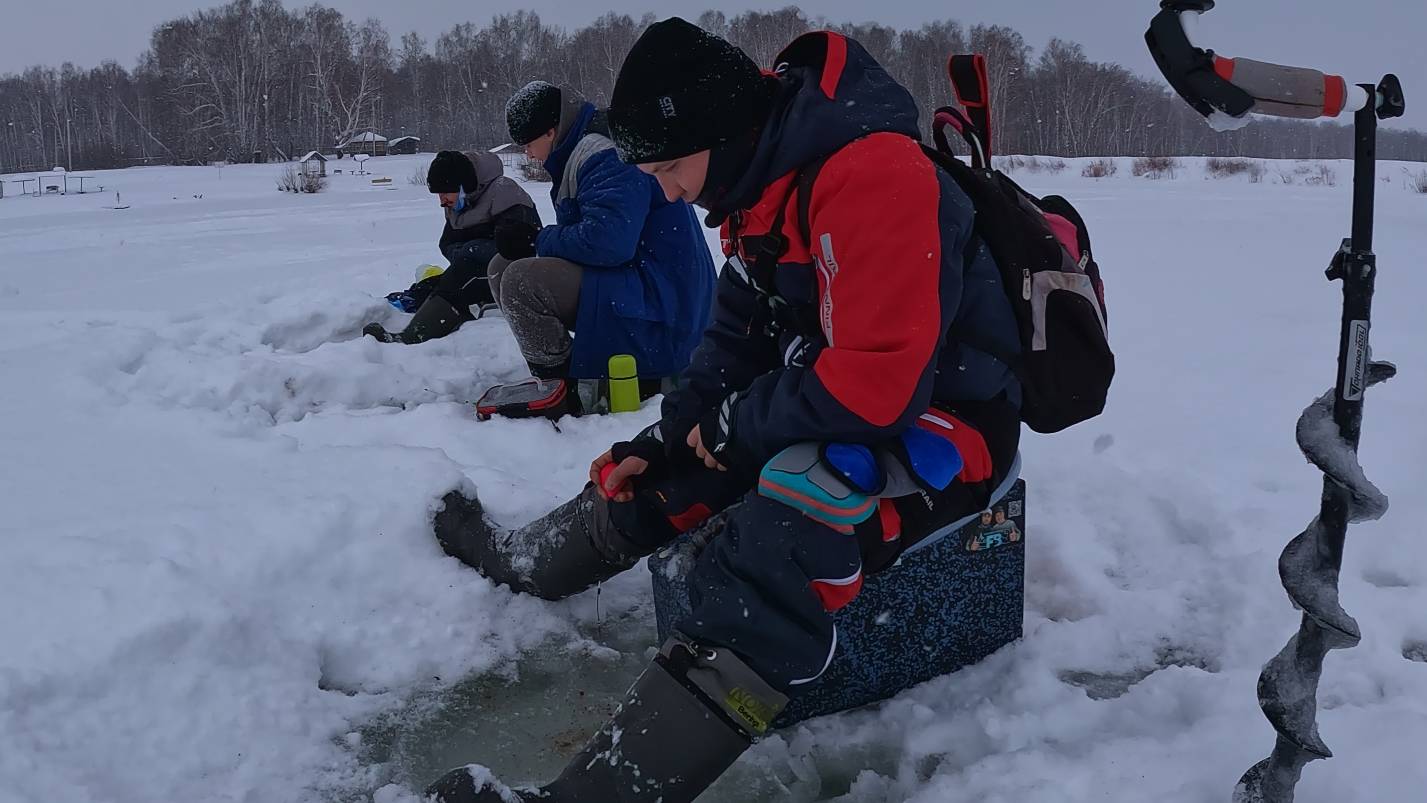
(403, 301)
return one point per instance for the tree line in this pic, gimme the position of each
(255, 81)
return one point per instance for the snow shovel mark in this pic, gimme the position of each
(305, 336)
(299, 406)
(1105, 685)
(1110, 685)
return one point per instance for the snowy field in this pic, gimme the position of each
(218, 583)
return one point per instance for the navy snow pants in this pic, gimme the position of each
(769, 581)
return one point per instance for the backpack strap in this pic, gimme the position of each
(968, 179)
(772, 250)
(958, 331)
(804, 184)
(949, 116)
(969, 81)
(767, 249)
(764, 250)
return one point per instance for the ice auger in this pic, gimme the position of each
(1328, 431)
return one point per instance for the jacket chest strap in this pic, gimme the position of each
(783, 315)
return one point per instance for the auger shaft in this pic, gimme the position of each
(1328, 433)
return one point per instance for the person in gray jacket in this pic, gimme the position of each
(480, 204)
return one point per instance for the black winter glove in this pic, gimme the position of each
(648, 445)
(716, 432)
(657, 444)
(516, 240)
(680, 411)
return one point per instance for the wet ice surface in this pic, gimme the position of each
(524, 722)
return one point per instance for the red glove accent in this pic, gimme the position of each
(604, 476)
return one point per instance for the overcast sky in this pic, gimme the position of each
(1361, 39)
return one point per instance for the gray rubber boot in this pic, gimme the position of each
(435, 318)
(564, 552)
(687, 718)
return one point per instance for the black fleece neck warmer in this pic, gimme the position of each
(727, 164)
(728, 186)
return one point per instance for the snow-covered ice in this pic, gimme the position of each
(218, 582)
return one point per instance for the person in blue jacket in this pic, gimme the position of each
(622, 271)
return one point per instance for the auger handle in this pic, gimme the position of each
(1237, 87)
(1280, 91)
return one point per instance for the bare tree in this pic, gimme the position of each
(598, 50)
(762, 35)
(357, 92)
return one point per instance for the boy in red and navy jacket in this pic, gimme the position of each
(830, 407)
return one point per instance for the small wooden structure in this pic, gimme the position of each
(404, 146)
(314, 164)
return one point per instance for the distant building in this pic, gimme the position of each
(404, 146)
(370, 143)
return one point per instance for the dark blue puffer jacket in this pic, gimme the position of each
(649, 275)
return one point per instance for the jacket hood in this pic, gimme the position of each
(488, 169)
(494, 193)
(831, 92)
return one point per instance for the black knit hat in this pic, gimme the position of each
(450, 171)
(532, 110)
(682, 90)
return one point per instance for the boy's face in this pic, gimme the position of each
(540, 147)
(681, 179)
(986, 518)
(1000, 516)
(448, 199)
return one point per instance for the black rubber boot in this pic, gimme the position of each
(687, 718)
(436, 318)
(564, 552)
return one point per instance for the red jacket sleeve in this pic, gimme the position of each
(879, 242)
